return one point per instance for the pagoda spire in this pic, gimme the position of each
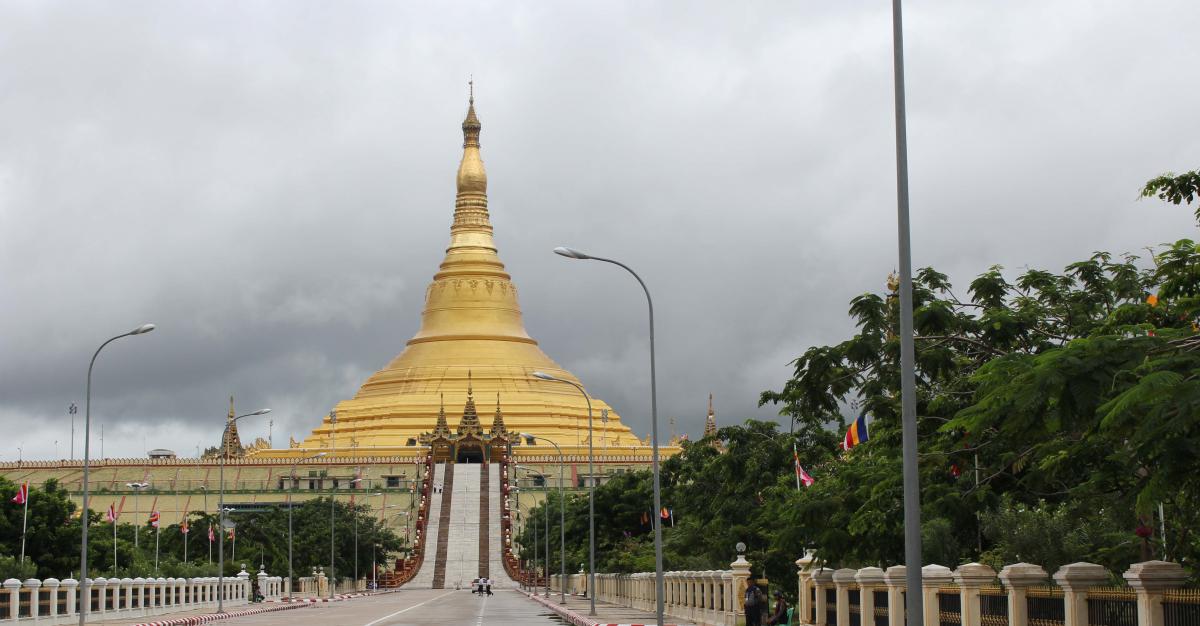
(498, 429)
(442, 429)
(231, 444)
(710, 424)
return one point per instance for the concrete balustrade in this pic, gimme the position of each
(53, 601)
(714, 598)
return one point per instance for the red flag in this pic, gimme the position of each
(664, 513)
(111, 515)
(22, 494)
(154, 517)
(183, 527)
(804, 477)
(231, 533)
(211, 538)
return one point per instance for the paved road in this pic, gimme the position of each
(414, 607)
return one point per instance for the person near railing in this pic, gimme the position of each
(780, 616)
(753, 604)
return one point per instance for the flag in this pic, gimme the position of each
(22, 494)
(111, 515)
(664, 513)
(857, 433)
(154, 517)
(645, 518)
(800, 473)
(231, 533)
(211, 538)
(1152, 300)
(183, 527)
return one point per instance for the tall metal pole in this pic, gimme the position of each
(332, 495)
(591, 492)
(84, 597)
(562, 516)
(908, 400)
(221, 515)
(654, 467)
(72, 410)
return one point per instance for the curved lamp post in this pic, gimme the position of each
(137, 488)
(87, 429)
(221, 515)
(591, 586)
(292, 488)
(546, 524)
(658, 550)
(562, 528)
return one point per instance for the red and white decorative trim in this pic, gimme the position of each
(212, 617)
(575, 618)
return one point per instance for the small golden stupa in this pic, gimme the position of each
(472, 346)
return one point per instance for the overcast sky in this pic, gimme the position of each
(272, 183)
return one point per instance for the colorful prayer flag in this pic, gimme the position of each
(111, 515)
(154, 517)
(664, 513)
(22, 494)
(183, 527)
(857, 433)
(800, 473)
(231, 533)
(211, 538)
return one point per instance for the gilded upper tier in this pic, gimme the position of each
(471, 330)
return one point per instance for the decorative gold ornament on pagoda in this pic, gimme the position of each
(472, 340)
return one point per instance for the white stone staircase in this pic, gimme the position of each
(424, 577)
(462, 554)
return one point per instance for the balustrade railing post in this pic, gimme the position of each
(804, 603)
(869, 579)
(71, 590)
(842, 579)
(52, 585)
(1149, 580)
(895, 577)
(34, 586)
(823, 581)
(970, 578)
(13, 587)
(1017, 579)
(1075, 579)
(933, 577)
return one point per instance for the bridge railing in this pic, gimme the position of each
(54, 601)
(1022, 594)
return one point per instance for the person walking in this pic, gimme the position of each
(753, 604)
(487, 584)
(780, 616)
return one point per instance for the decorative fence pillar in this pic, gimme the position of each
(52, 585)
(1075, 580)
(138, 594)
(1017, 579)
(870, 580)
(1150, 580)
(933, 577)
(804, 603)
(970, 578)
(823, 581)
(34, 586)
(741, 579)
(125, 594)
(14, 597)
(895, 577)
(100, 587)
(71, 589)
(842, 580)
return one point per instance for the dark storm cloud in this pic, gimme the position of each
(272, 184)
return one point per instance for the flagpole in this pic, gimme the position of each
(114, 523)
(796, 460)
(25, 522)
(157, 531)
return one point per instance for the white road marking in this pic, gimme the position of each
(482, 606)
(386, 617)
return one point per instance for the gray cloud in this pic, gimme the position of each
(273, 183)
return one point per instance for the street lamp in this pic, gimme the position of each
(658, 550)
(546, 562)
(562, 528)
(356, 480)
(221, 513)
(87, 429)
(137, 490)
(291, 488)
(591, 490)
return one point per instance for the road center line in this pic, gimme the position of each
(385, 617)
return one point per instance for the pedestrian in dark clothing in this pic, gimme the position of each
(779, 617)
(753, 603)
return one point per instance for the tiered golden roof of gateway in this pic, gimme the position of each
(472, 345)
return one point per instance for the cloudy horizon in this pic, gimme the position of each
(272, 184)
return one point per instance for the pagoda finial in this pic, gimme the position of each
(710, 423)
(231, 414)
(471, 85)
(470, 391)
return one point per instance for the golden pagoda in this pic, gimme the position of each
(472, 343)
